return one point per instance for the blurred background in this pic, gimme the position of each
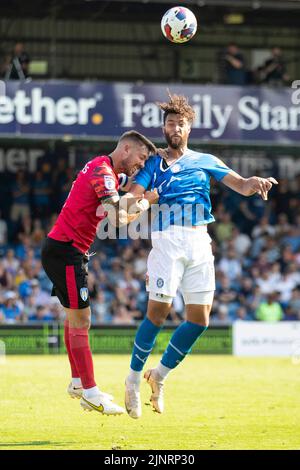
(77, 74)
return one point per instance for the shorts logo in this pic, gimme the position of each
(84, 293)
(109, 182)
(160, 282)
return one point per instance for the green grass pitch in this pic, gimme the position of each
(212, 402)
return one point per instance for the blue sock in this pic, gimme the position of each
(181, 343)
(143, 344)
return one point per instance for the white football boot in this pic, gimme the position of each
(76, 392)
(157, 396)
(133, 400)
(101, 404)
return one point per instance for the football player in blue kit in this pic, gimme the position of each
(181, 255)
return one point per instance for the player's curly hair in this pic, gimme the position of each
(178, 104)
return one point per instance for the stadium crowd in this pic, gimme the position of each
(256, 246)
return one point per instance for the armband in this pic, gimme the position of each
(123, 180)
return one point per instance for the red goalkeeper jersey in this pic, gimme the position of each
(79, 217)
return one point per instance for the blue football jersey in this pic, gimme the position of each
(183, 188)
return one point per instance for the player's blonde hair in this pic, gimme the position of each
(178, 104)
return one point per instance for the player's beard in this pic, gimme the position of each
(174, 144)
(128, 169)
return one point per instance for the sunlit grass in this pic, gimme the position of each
(212, 402)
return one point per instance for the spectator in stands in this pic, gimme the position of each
(20, 276)
(265, 282)
(273, 72)
(254, 299)
(226, 293)
(260, 265)
(122, 316)
(11, 307)
(4, 62)
(38, 233)
(284, 287)
(282, 227)
(41, 195)
(128, 284)
(92, 286)
(132, 306)
(42, 315)
(59, 179)
(56, 310)
(293, 273)
(281, 197)
(224, 227)
(25, 289)
(3, 231)
(245, 290)
(272, 250)
(100, 308)
(294, 303)
(290, 314)
(275, 272)
(230, 265)
(115, 274)
(20, 193)
(263, 228)
(270, 310)
(287, 257)
(292, 238)
(242, 314)
(41, 297)
(18, 68)
(23, 246)
(29, 307)
(232, 66)
(221, 316)
(140, 262)
(2, 316)
(6, 279)
(240, 242)
(65, 187)
(243, 217)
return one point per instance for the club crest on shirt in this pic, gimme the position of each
(176, 168)
(109, 182)
(84, 293)
(160, 282)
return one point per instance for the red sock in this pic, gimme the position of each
(80, 348)
(74, 370)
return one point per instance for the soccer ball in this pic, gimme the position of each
(179, 24)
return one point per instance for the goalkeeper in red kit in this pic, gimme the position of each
(65, 253)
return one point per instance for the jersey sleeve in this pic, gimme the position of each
(144, 176)
(215, 167)
(104, 181)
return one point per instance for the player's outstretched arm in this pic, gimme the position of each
(249, 186)
(136, 190)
